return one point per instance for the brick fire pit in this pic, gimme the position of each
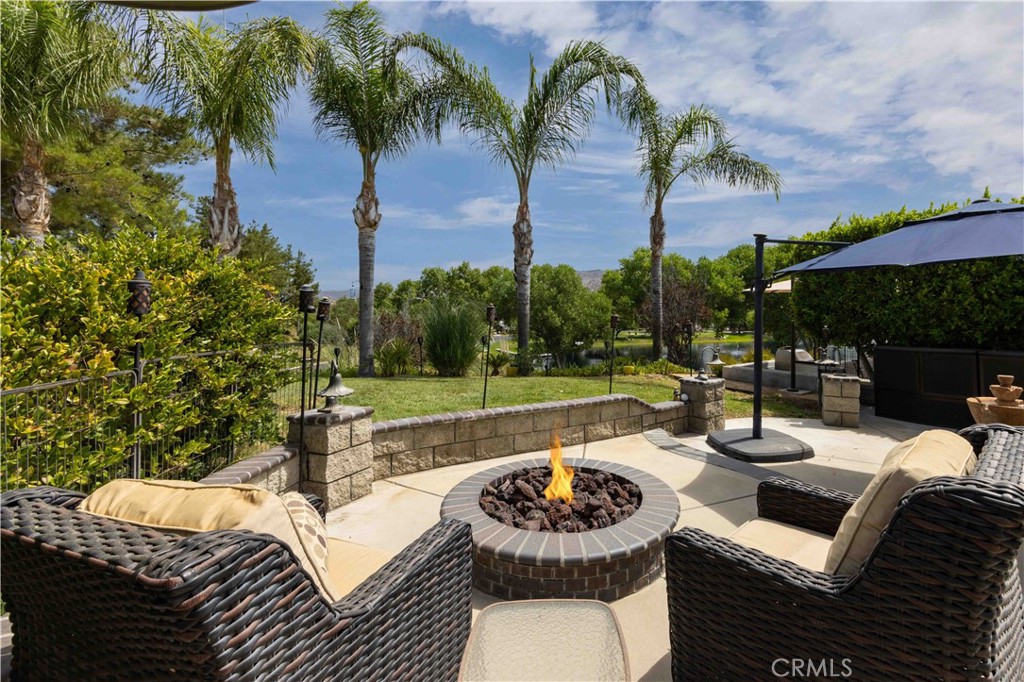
(606, 564)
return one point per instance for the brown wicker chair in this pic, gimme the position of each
(94, 599)
(939, 598)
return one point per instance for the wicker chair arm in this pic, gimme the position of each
(802, 504)
(444, 552)
(978, 434)
(58, 497)
(694, 556)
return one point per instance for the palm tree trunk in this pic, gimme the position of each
(31, 191)
(657, 249)
(367, 217)
(225, 228)
(522, 231)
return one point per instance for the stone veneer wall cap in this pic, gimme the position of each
(491, 412)
(340, 415)
(249, 468)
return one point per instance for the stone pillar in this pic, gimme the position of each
(337, 464)
(707, 403)
(840, 400)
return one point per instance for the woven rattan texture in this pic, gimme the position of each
(92, 599)
(939, 599)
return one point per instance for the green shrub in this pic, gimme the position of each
(451, 339)
(394, 358)
(63, 315)
(498, 360)
(643, 366)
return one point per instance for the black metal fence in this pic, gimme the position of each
(180, 417)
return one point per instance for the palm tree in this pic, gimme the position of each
(361, 97)
(547, 129)
(59, 59)
(230, 85)
(691, 144)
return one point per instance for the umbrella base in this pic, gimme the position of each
(773, 446)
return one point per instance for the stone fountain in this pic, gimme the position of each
(1004, 407)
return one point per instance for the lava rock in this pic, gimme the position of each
(526, 489)
(599, 500)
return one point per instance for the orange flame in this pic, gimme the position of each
(561, 477)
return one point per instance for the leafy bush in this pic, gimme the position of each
(451, 338)
(970, 304)
(498, 360)
(63, 315)
(565, 314)
(389, 325)
(643, 366)
(394, 358)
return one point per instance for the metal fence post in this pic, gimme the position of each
(139, 305)
(135, 468)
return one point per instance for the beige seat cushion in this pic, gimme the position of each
(349, 564)
(185, 508)
(783, 541)
(932, 453)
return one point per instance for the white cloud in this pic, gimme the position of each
(323, 201)
(556, 22)
(861, 88)
(738, 227)
(486, 211)
(471, 213)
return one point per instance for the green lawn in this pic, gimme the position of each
(742, 405)
(703, 339)
(414, 396)
(709, 338)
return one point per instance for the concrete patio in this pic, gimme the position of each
(715, 493)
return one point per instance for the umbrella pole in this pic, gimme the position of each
(759, 286)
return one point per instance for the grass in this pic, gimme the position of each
(412, 396)
(742, 405)
(710, 338)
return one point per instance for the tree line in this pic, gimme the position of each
(62, 60)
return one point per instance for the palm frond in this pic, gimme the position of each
(465, 95)
(356, 98)
(725, 163)
(262, 65)
(691, 144)
(559, 112)
(231, 84)
(58, 59)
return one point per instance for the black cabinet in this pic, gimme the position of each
(931, 385)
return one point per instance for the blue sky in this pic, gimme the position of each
(863, 108)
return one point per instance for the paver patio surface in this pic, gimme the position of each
(711, 497)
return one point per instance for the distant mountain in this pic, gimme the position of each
(591, 278)
(334, 295)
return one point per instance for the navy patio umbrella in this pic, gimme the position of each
(984, 229)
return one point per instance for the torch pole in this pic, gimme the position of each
(302, 389)
(316, 367)
(487, 350)
(611, 359)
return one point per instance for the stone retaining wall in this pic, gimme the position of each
(345, 452)
(403, 446)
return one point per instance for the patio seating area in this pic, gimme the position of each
(413, 614)
(716, 494)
